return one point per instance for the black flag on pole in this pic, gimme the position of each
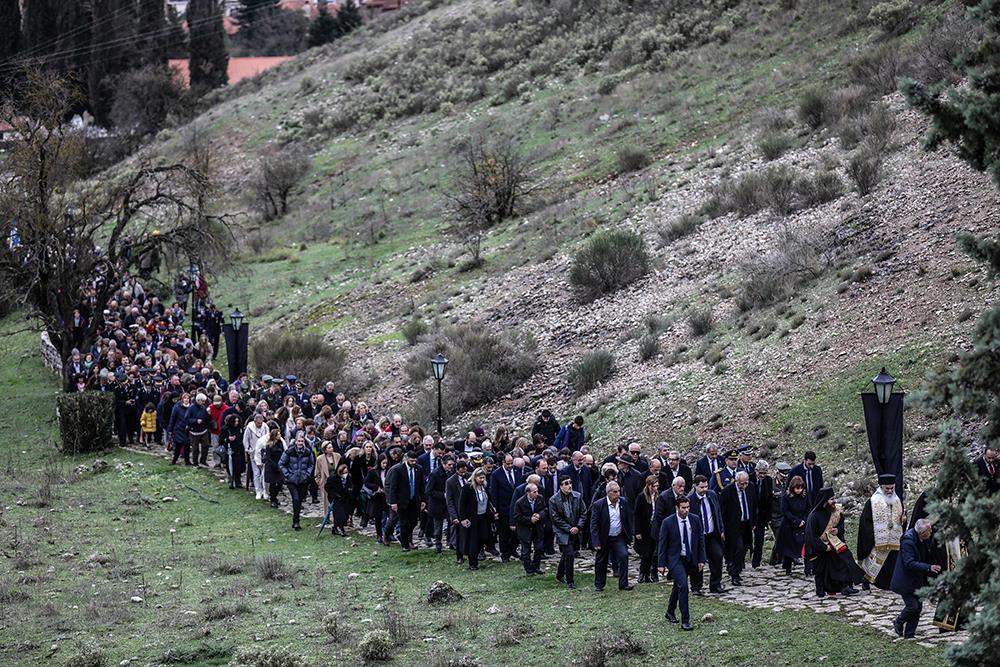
(884, 425)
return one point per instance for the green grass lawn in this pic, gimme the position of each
(78, 551)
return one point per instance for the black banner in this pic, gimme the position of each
(884, 425)
(237, 343)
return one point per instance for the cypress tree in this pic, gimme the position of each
(208, 60)
(113, 51)
(324, 28)
(348, 16)
(151, 31)
(40, 26)
(969, 119)
(250, 15)
(10, 28)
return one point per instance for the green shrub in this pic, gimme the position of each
(632, 159)
(865, 170)
(413, 330)
(847, 101)
(752, 192)
(483, 365)
(701, 321)
(649, 347)
(763, 283)
(813, 108)
(307, 356)
(87, 655)
(773, 145)
(271, 567)
(678, 228)
(85, 421)
(879, 69)
(260, 655)
(823, 187)
(376, 646)
(218, 611)
(893, 16)
(607, 262)
(593, 369)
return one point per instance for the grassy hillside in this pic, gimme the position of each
(149, 564)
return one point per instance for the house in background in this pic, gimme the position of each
(239, 68)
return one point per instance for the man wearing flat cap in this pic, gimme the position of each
(883, 521)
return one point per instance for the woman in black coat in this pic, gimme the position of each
(647, 535)
(272, 454)
(476, 513)
(375, 488)
(340, 491)
(362, 464)
(231, 438)
(792, 533)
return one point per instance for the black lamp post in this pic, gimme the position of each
(883, 391)
(195, 329)
(438, 365)
(237, 334)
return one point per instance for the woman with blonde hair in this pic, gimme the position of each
(475, 514)
(646, 534)
(326, 464)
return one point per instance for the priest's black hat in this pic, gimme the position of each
(887, 478)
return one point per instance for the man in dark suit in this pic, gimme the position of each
(630, 480)
(433, 451)
(582, 476)
(500, 486)
(989, 469)
(681, 550)
(610, 535)
(545, 426)
(452, 495)
(666, 502)
(529, 521)
(709, 463)
(725, 475)
(675, 468)
(739, 507)
(765, 504)
(404, 492)
(745, 462)
(910, 575)
(547, 486)
(705, 505)
(640, 465)
(437, 505)
(811, 474)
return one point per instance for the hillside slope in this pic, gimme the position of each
(381, 114)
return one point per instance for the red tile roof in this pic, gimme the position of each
(239, 68)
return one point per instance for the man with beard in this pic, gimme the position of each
(882, 523)
(834, 567)
(452, 493)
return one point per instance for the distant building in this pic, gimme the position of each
(239, 68)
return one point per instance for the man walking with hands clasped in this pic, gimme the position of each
(682, 552)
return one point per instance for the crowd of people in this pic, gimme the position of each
(530, 496)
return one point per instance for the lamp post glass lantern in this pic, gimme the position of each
(236, 317)
(883, 386)
(438, 365)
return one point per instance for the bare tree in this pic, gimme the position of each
(276, 177)
(494, 177)
(67, 240)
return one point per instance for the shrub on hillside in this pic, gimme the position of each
(413, 330)
(376, 646)
(483, 365)
(779, 188)
(879, 69)
(823, 187)
(85, 421)
(865, 170)
(276, 177)
(593, 369)
(607, 262)
(87, 655)
(649, 347)
(632, 158)
(773, 144)
(812, 108)
(307, 356)
(271, 567)
(874, 126)
(678, 228)
(893, 16)
(267, 656)
(799, 256)
(848, 101)
(701, 321)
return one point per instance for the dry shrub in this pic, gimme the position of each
(226, 609)
(271, 567)
(376, 646)
(678, 228)
(701, 321)
(307, 356)
(879, 69)
(773, 144)
(865, 170)
(632, 158)
(593, 369)
(649, 347)
(609, 261)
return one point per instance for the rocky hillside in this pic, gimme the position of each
(702, 96)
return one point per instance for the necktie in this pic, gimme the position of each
(706, 513)
(744, 512)
(433, 463)
(532, 504)
(990, 468)
(542, 480)
(413, 488)
(685, 550)
(809, 481)
(510, 478)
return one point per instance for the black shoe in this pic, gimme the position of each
(539, 572)
(670, 617)
(686, 626)
(653, 579)
(406, 550)
(296, 526)
(493, 552)
(700, 593)
(737, 581)
(898, 627)
(598, 590)
(561, 580)
(529, 573)
(275, 505)
(459, 561)
(643, 579)
(473, 567)
(437, 549)
(716, 589)
(571, 586)
(865, 586)
(626, 588)
(850, 590)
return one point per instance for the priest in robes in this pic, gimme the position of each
(883, 521)
(834, 567)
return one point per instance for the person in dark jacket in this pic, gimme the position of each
(198, 421)
(437, 504)
(377, 506)
(571, 435)
(988, 467)
(705, 505)
(529, 522)
(682, 552)
(811, 474)
(501, 485)
(646, 534)
(177, 429)
(404, 491)
(739, 507)
(568, 516)
(765, 503)
(297, 465)
(476, 513)
(910, 575)
(611, 532)
(792, 533)
(339, 491)
(452, 496)
(834, 567)
(666, 502)
(273, 452)
(545, 426)
(231, 438)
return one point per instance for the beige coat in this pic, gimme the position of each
(322, 473)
